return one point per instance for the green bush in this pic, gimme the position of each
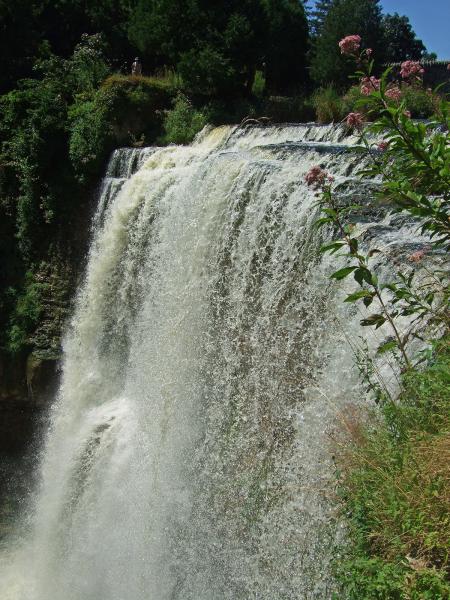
(91, 136)
(183, 122)
(420, 102)
(123, 109)
(28, 309)
(328, 105)
(259, 84)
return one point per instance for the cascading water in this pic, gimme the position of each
(188, 455)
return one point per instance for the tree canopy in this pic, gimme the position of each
(400, 40)
(317, 16)
(220, 46)
(346, 17)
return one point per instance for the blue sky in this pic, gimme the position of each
(430, 20)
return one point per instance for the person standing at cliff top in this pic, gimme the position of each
(136, 67)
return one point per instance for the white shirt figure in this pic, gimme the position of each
(136, 67)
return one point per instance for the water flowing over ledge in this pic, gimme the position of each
(205, 366)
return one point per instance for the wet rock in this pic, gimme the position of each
(42, 378)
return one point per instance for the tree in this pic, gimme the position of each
(27, 25)
(317, 16)
(19, 40)
(162, 30)
(400, 39)
(218, 47)
(346, 17)
(286, 45)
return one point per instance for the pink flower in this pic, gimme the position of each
(369, 85)
(394, 93)
(316, 177)
(407, 113)
(350, 44)
(369, 52)
(355, 120)
(417, 256)
(411, 68)
(383, 146)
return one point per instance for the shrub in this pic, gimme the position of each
(91, 136)
(183, 122)
(420, 103)
(27, 313)
(328, 105)
(123, 109)
(259, 84)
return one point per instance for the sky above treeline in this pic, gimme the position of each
(430, 20)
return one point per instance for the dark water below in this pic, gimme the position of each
(19, 444)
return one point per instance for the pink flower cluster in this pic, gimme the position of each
(316, 177)
(394, 93)
(369, 85)
(350, 44)
(355, 120)
(382, 146)
(411, 68)
(417, 256)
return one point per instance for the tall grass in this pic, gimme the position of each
(328, 105)
(394, 481)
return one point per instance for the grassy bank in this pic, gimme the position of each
(394, 482)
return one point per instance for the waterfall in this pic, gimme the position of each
(189, 453)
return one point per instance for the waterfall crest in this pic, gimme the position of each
(205, 365)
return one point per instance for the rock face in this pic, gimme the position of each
(28, 380)
(26, 387)
(42, 379)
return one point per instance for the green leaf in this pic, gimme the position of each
(375, 320)
(387, 346)
(358, 295)
(342, 273)
(362, 274)
(322, 221)
(353, 245)
(333, 247)
(368, 300)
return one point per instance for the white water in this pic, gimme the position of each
(189, 455)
